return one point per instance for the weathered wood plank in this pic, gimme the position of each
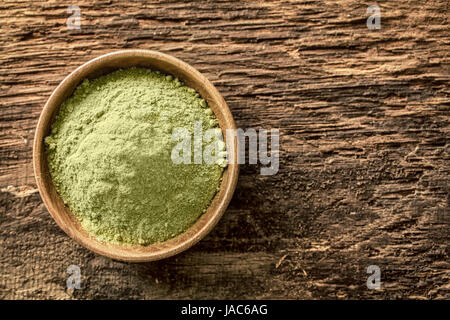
(365, 122)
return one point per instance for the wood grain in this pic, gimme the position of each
(364, 117)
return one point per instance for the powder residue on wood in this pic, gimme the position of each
(109, 155)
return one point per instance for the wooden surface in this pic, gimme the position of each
(364, 117)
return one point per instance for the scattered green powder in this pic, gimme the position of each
(109, 155)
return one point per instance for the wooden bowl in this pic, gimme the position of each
(66, 219)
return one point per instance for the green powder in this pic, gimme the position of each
(109, 155)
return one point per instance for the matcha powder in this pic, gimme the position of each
(109, 155)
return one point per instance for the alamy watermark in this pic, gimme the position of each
(74, 279)
(374, 21)
(374, 280)
(74, 21)
(190, 148)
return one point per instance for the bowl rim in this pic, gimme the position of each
(169, 247)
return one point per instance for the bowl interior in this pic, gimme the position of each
(66, 219)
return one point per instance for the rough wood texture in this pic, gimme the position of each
(365, 122)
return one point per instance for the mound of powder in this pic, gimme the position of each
(109, 154)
